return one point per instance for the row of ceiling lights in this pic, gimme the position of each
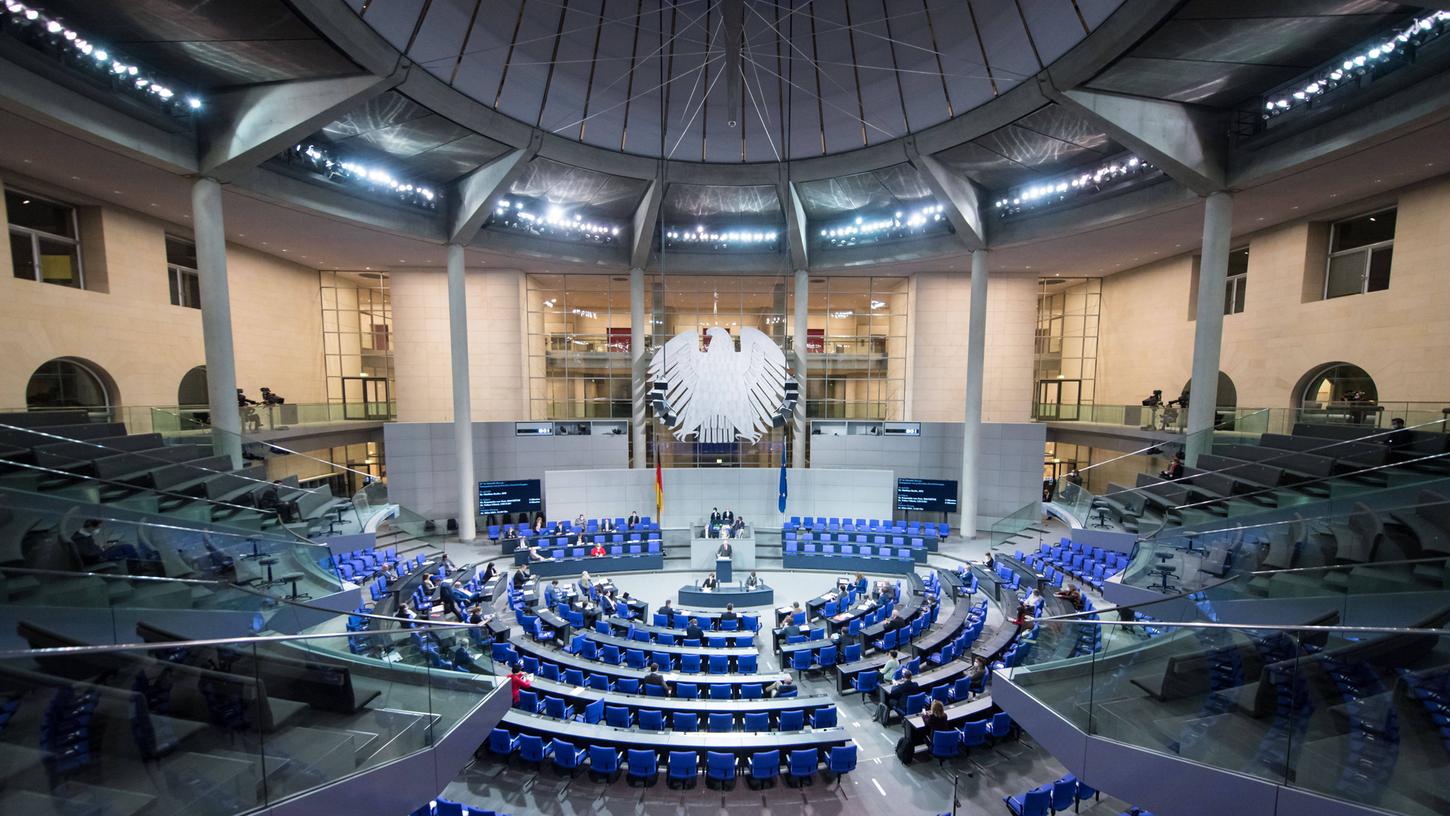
(323, 160)
(862, 229)
(1052, 192)
(1357, 63)
(33, 23)
(554, 221)
(703, 237)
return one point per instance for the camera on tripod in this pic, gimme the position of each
(1155, 400)
(268, 398)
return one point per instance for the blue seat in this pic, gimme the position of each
(824, 717)
(751, 691)
(594, 712)
(974, 733)
(946, 744)
(600, 682)
(1031, 803)
(828, 656)
(685, 721)
(721, 721)
(558, 709)
(690, 663)
(567, 757)
(634, 658)
(654, 690)
(841, 760)
(627, 685)
(603, 762)
(650, 719)
(801, 660)
(1001, 726)
(1085, 791)
(757, 721)
(549, 671)
(502, 743)
(684, 766)
(914, 704)
(719, 664)
(720, 767)
(687, 691)
(1064, 793)
(529, 701)
(852, 652)
(663, 659)
(866, 682)
(792, 720)
(643, 764)
(610, 655)
(721, 691)
(532, 748)
(618, 716)
(764, 766)
(746, 664)
(803, 763)
(574, 677)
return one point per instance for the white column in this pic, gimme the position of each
(802, 313)
(1208, 328)
(462, 401)
(972, 407)
(639, 364)
(216, 318)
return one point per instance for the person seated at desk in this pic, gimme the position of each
(606, 525)
(693, 631)
(539, 524)
(1023, 616)
(893, 665)
(795, 609)
(553, 596)
(522, 576)
(934, 718)
(488, 573)
(607, 604)
(728, 614)
(709, 583)
(579, 522)
(791, 630)
(429, 585)
(724, 550)
(92, 551)
(270, 499)
(584, 585)
(896, 691)
(780, 688)
(896, 621)
(989, 564)
(445, 566)
(1174, 469)
(389, 573)
(462, 660)
(654, 678)
(752, 581)
(535, 555)
(511, 534)
(737, 526)
(1033, 598)
(518, 681)
(633, 520)
(597, 551)
(1072, 595)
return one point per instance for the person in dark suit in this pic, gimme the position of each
(633, 520)
(737, 526)
(729, 613)
(714, 516)
(693, 631)
(1398, 438)
(522, 576)
(552, 594)
(752, 581)
(709, 582)
(724, 550)
(583, 586)
(1174, 469)
(896, 691)
(729, 517)
(654, 678)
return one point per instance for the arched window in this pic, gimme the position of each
(192, 391)
(1228, 394)
(1334, 384)
(67, 382)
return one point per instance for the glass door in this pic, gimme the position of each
(366, 398)
(1058, 399)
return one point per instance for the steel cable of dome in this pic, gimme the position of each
(825, 101)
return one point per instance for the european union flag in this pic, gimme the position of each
(783, 490)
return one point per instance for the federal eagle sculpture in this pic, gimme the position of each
(718, 394)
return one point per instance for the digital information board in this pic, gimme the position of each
(521, 496)
(930, 495)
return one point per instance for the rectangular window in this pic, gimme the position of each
(181, 273)
(1360, 252)
(43, 245)
(1237, 282)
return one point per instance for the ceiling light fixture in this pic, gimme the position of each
(534, 217)
(859, 229)
(324, 160)
(1058, 190)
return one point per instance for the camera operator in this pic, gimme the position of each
(250, 420)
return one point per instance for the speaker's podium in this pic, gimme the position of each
(723, 569)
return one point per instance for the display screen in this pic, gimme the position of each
(931, 495)
(521, 496)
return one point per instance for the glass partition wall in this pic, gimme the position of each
(579, 347)
(357, 331)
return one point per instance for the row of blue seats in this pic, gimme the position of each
(856, 538)
(833, 524)
(1055, 797)
(949, 743)
(1091, 565)
(566, 539)
(653, 719)
(378, 587)
(682, 767)
(638, 659)
(727, 639)
(361, 564)
(681, 620)
(443, 807)
(1432, 690)
(559, 553)
(961, 645)
(855, 550)
(629, 685)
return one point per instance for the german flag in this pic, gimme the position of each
(659, 492)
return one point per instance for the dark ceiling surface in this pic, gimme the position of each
(819, 77)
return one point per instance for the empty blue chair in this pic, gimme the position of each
(651, 719)
(1001, 726)
(746, 664)
(654, 690)
(685, 721)
(828, 656)
(914, 704)
(801, 660)
(617, 716)
(558, 709)
(757, 721)
(721, 721)
(662, 659)
(792, 720)
(945, 744)
(852, 652)
(502, 743)
(532, 748)
(684, 766)
(719, 664)
(574, 677)
(687, 691)
(642, 764)
(824, 717)
(1032, 803)
(1064, 793)
(600, 682)
(690, 663)
(1085, 791)
(567, 757)
(974, 734)
(529, 701)
(549, 671)
(751, 691)
(634, 658)
(531, 664)
(764, 766)
(594, 712)
(803, 764)
(610, 655)
(841, 761)
(627, 685)
(721, 691)
(603, 762)
(866, 682)
(720, 767)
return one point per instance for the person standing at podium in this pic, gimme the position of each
(724, 550)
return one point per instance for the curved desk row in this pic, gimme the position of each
(671, 635)
(581, 696)
(735, 742)
(848, 563)
(557, 567)
(693, 596)
(567, 661)
(702, 652)
(958, 714)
